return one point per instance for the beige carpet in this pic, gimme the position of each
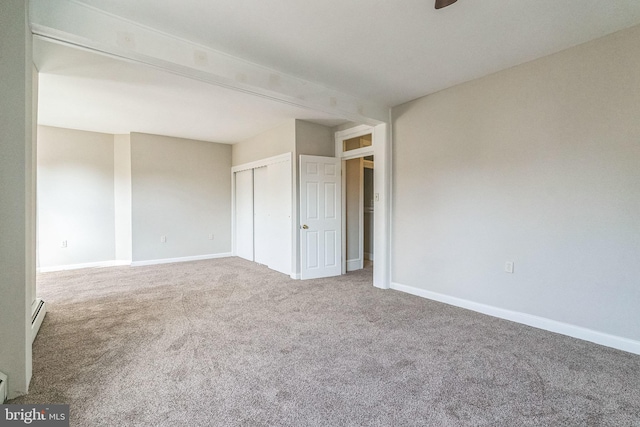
(230, 343)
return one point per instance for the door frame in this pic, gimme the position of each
(380, 149)
(359, 262)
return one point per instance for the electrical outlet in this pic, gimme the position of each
(210, 236)
(163, 239)
(63, 244)
(508, 266)
(377, 197)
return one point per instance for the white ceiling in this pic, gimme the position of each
(383, 50)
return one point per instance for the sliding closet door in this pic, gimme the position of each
(262, 193)
(263, 227)
(280, 216)
(244, 214)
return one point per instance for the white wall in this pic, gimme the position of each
(75, 197)
(540, 165)
(122, 197)
(181, 189)
(17, 225)
(32, 222)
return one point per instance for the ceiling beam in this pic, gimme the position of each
(75, 23)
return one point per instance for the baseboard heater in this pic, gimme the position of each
(38, 311)
(3, 387)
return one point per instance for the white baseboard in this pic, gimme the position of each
(99, 264)
(38, 311)
(574, 331)
(295, 276)
(181, 259)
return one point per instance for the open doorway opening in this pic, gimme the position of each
(359, 212)
(358, 199)
(368, 215)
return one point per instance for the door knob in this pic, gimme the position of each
(305, 227)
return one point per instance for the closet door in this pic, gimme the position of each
(262, 194)
(280, 216)
(244, 214)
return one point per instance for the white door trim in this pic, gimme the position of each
(343, 135)
(340, 137)
(354, 263)
(381, 149)
(262, 162)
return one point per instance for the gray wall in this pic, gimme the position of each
(181, 189)
(17, 210)
(540, 165)
(353, 171)
(75, 197)
(272, 142)
(314, 139)
(122, 199)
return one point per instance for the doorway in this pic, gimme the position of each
(358, 212)
(356, 151)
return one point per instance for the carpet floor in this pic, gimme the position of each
(227, 342)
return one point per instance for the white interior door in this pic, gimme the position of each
(320, 217)
(262, 238)
(279, 177)
(244, 214)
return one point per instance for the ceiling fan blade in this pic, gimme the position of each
(444, 3)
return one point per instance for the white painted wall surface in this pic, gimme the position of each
(122, 193)
(32, 225)
(181, 189)
(539, 165)
(17, 227)
(75, 197)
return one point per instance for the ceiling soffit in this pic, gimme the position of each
(84, 26)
